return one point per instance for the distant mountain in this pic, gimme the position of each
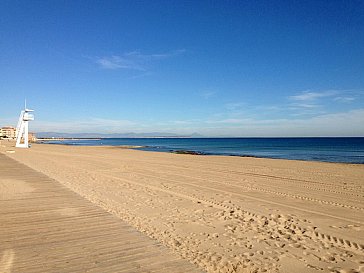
(114, 135)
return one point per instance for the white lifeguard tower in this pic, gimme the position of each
(22, 130)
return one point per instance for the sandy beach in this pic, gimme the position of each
(225, 214)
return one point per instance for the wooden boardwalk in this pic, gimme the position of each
(45, 227)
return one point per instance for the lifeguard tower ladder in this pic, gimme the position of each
(22, 130)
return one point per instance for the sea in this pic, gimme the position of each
(326, 149)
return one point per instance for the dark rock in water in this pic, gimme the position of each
(246, 156)
(184, 152)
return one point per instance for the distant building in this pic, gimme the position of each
(8, 132)
(32, 137)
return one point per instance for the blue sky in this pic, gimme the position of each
(218, 68)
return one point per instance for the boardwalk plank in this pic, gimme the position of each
(49, 228)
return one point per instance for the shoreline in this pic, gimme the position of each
(199, 153)
(40, 140)
(222, 213)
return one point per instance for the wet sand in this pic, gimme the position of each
(226, 214)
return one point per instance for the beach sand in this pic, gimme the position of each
(226, 214)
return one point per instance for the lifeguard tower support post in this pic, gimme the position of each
(22, 130)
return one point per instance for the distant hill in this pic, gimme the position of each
(114, 135)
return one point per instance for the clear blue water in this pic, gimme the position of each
(340, 149)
